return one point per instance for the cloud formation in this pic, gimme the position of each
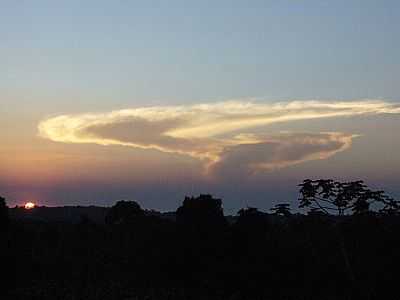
(279, 151)
(220, 133)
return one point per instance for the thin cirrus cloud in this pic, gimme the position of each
(219, 134)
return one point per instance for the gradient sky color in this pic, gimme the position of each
(71, 58)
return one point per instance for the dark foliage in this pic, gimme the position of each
(282, 209)
(140, 254)
(201, 213)
(327, 195)
(123, 211)
(3, 214)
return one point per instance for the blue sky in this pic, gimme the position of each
(118, 53)
(69, 57)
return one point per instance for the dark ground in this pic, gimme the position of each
(129, 253)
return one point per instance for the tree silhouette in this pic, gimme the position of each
(327, 195)
(254, 256)
(249, 212)
(3, 213)
(251, 221)
(282, 209)
(122, 211)
(316, 212)
(390, 206)
(202, 211)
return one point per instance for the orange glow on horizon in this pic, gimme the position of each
(29, 205)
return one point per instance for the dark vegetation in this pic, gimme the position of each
(346, 245)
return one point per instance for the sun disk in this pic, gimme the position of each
(29, 205)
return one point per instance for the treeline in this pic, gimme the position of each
(345, 246)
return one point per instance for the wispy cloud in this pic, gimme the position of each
(219, 133)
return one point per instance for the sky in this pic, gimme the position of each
(153, 100)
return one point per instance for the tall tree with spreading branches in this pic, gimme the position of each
(329, 196)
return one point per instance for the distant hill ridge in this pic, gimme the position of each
(96, 214)
(71, 214)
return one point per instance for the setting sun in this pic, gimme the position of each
(29, 205)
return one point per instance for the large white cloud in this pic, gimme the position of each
(220, 133)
